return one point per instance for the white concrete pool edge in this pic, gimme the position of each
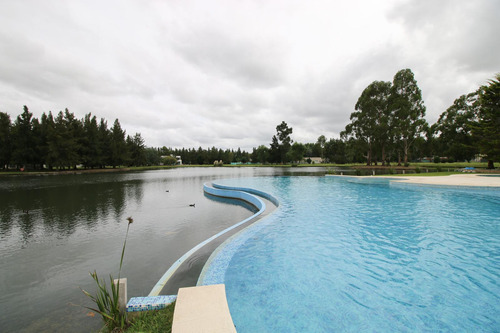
(458, 180)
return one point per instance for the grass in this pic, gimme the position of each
(152, 321)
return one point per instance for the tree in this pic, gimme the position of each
(91, 154)
(261, 154)
(487, 129)
(408, 107)
(118, 147)
(335, 151)
(320, 146)
(63, 146)
(5, 139)
(23, 139)
(454, 128)
(275, 150)
(104, 145)
(370, 123)
(136, 150)
(296, 152)
(152, 156)
(285, 141)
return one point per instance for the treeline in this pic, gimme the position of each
(387, 126)
(66, 142)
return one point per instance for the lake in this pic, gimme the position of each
(55, 229)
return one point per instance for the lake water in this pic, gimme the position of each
(55, 229)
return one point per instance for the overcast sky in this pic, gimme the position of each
(226, 73)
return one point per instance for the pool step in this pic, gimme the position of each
(136, 304)
(202, 309)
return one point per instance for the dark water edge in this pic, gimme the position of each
(55, 229)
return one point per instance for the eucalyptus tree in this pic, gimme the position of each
(408, 110)
(320, 146)
(454, 128)
(371, 122)
(487, 129)
(5, 139)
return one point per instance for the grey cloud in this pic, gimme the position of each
(463, 31)
(249, 60)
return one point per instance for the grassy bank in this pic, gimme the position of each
(152, 321)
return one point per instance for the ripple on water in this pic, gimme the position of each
(340, 256)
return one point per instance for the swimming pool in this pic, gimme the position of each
(343, 256)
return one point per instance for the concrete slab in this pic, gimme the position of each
(202, 309)
(454, 180)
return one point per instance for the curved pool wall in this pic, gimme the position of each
(216, 265)
(262, 194)
(225, 192)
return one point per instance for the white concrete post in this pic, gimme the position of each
(122, 295)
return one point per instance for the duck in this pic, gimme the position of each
(192, 205)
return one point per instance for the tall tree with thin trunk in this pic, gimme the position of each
(408, 108)
(487, 129)
(370, 122)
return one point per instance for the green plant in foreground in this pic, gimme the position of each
(107, 300)
(153, 321)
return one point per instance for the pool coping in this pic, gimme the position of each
(460, 180)
(220, 191)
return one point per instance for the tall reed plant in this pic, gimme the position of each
(107, 301)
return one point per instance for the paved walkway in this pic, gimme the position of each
(454, 180)
(202, 310)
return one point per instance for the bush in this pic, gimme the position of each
(407, 164)
(391, 171)
(417, 170)
(437, 159)
(169, 160)
(358, 172)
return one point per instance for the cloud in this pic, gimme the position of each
(226, 73)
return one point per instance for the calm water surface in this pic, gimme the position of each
(76, 224)
(338, 256)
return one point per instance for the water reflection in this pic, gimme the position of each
(59, 210)
(76, 223)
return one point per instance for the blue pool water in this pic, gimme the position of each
(342, 256)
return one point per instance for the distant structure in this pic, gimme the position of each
(314, 160)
